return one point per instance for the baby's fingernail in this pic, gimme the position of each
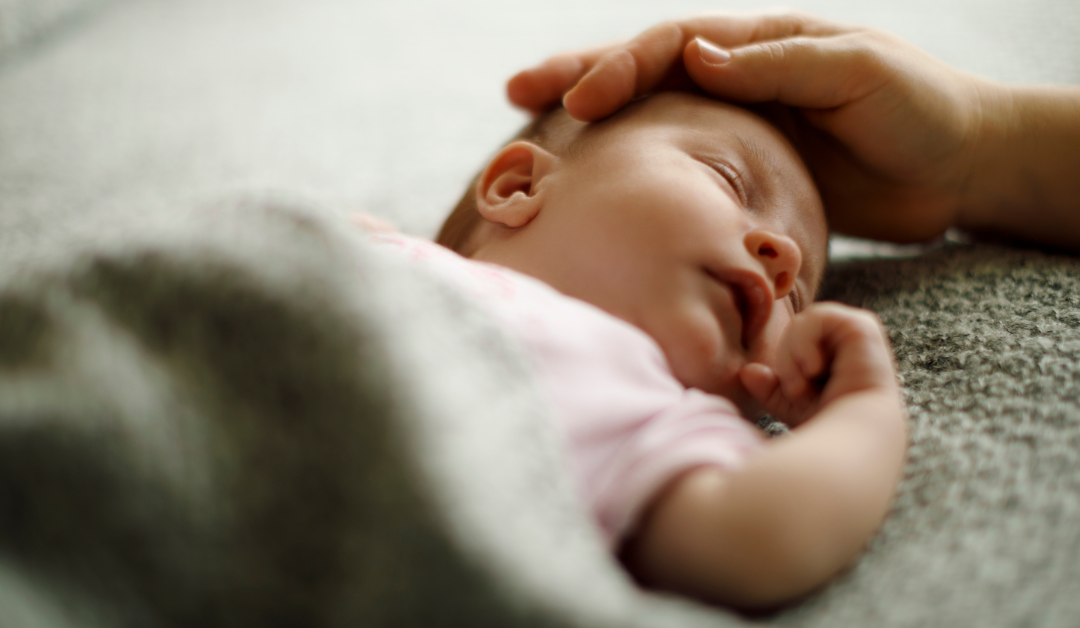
(712, 54)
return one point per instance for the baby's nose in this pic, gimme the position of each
(779, 256)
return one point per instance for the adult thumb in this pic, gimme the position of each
(808, 72)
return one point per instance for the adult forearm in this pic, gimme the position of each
(1025, 182)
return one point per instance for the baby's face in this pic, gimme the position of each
(693, 220)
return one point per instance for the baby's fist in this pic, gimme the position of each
(829, 350)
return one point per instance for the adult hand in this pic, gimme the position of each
(891, 134)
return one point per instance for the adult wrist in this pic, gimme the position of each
(1025, 182)
(990, 183)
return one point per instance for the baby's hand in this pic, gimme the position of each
(828, 351)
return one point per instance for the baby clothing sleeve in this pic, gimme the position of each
(623, 476)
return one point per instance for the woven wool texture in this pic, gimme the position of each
(985, 529)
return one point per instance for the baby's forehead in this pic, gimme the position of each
(707, 126)
(709, 120)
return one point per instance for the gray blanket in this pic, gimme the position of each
(240, 416)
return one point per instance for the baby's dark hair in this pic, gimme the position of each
(548, 131)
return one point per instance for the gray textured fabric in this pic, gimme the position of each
(23, 22)
(985, 530)
(155, 365)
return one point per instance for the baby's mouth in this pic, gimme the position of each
(755, 309)
(753, 300)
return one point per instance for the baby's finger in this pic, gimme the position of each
(792, 382)
(762, 384)
(764, 387)
(803, 360)
(805, 345)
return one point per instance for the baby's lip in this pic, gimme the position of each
(753, 299)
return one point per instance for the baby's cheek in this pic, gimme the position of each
(697, 350)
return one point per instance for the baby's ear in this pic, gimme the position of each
(509, 191)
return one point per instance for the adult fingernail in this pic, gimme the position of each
(712, 54)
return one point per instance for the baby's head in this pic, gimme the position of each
(691, 219)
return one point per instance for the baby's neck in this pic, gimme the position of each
(518, 260)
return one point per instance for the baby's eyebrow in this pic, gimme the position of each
(762, 160)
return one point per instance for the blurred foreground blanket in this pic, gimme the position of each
(242, 417)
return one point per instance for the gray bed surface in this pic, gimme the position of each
(218, 408)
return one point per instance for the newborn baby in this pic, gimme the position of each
(659, 269)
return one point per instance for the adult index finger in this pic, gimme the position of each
(640, 65)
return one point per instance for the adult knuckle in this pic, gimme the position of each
(652, 49)
(762, 26)
(880, 38)
(671, 28)
(774, 52)
(785, 22)
(797, 20)
(563, 60)
(866, 64)
(866, 49)
(669, 32)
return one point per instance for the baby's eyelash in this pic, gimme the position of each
(732, 176)
(796, 302)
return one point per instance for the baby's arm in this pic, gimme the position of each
(802, 508)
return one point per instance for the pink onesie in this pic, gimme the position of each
(627, 424)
